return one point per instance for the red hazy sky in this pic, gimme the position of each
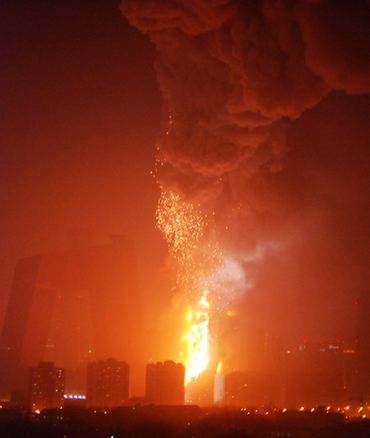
(80, 109)
(80, 112)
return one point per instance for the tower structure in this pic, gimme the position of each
(165, 383)
(46, 386)
(72, 307)
(218, 388)
(107, 383)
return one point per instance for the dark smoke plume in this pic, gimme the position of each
(233, 72)
(234, 75)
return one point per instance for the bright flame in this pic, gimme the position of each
(190, 244)
(219, 366)
(196, 338)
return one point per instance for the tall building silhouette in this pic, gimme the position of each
(46, 387)
(165, 383)
(72, 307)
(107, 383)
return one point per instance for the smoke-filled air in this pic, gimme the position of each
(240, 195)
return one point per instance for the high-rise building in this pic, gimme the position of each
(73, 307)
(165, 383)
(46, 387)
(107, 383)
(218, 388)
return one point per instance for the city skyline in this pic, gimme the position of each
(73, 307)
(249, 121)
(283, 373)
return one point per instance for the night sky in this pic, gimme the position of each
(270, 102)
(80, 109)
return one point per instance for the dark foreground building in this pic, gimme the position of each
(107, 383)
(46, 387)
(72, 307)
(165, 383)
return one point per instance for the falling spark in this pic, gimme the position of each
(180, 225)
(200, 270)
(196, 255)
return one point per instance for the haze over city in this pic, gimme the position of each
(249, 121)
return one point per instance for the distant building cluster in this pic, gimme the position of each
(72, 307)
(310, 375)
(107, 385)
(80, 308)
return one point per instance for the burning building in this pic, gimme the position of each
(235, 75)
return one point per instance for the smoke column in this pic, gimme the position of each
(234, 74)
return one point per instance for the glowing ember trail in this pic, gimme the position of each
(196, 258)
(180, 225)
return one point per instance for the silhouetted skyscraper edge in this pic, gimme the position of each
(72, 307)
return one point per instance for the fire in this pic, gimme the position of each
(196, 338)
(196, 255)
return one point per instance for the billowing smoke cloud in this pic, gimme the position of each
(234, 75)
(337, 35)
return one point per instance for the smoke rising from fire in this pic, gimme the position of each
(234, 75)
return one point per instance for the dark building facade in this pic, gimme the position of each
(107, 383)
(165, 383)
(308, 374)
(363, 345)
(72, 307)
(46, 387)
